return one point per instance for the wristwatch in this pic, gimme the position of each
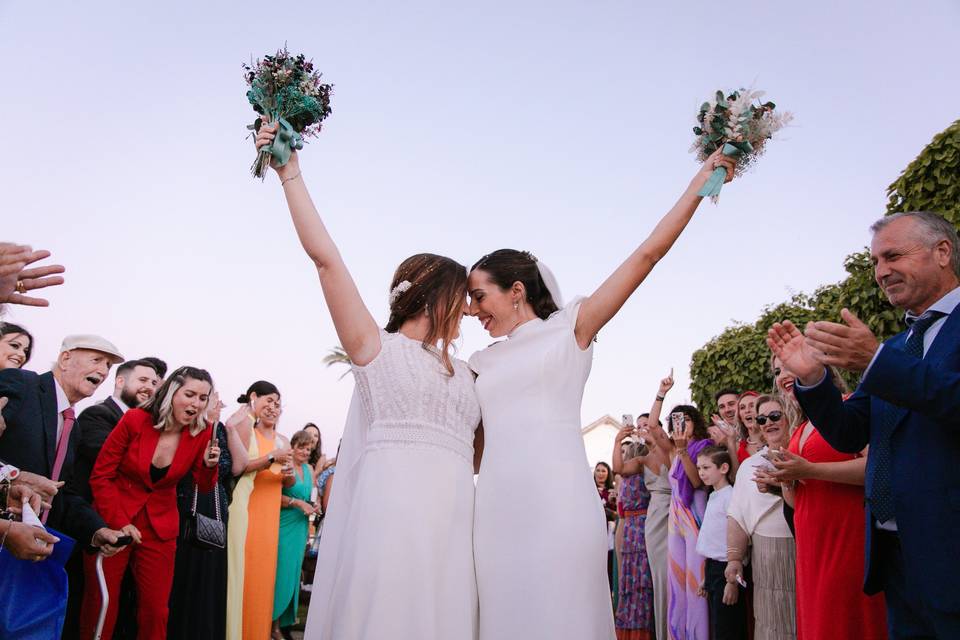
(271, 458)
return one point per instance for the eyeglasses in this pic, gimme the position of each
(773, 416)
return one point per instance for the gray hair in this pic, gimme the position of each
(934, 229)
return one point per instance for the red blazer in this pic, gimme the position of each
(121, 482)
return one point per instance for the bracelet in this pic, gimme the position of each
(661, 398)
(286, 180)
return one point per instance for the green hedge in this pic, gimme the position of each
(739, 357)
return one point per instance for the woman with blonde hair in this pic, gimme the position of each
(134, 485)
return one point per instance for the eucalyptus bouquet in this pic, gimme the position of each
(739, 124)
(285, 89)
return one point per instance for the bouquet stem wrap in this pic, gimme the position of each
(284, 144)
(712, 186)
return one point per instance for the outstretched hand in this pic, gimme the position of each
(850, 346)
(16, 279)
(787, 343)
(716, 160)
(265, 136)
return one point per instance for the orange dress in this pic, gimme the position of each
(829, 522)
(253, 536)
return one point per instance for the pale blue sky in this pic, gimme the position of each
(558, 127)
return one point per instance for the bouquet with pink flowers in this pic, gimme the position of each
(286, 89)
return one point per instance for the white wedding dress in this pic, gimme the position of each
(540, 535)
(396, 554)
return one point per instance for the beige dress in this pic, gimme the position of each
(655, 532)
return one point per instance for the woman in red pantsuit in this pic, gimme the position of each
(134, 483)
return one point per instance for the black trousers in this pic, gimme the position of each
(908, 616)
(727, 621)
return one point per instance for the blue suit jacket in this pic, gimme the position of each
(30, 443)
(925, 447)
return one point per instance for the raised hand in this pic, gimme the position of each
(16, 279)
(243, 416)
(849, 346)
(214, 407)
(718, 159)
(787, 343)
(265, 137)
(666, 384)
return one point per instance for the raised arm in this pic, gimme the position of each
(663, 443)
(622, 467)
(355, 326)
(605, 302)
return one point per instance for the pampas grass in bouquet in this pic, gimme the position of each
(739, 124)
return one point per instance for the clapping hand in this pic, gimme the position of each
(850, 346)
(722, 432)
(787, 343)
(16, 279)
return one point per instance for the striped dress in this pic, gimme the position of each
(252, 539)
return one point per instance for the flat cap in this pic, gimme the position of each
(94, 343)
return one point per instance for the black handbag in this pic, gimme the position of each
(203, 531)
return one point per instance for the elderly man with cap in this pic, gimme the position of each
(39, 436)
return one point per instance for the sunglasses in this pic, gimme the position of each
(773, 416)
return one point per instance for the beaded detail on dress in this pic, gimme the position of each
(412, 402)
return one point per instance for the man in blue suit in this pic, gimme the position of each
(907, 408)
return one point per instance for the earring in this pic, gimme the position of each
(516, 305)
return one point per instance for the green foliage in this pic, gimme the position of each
(932, 181)
(739, 357)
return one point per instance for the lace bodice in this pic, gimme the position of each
(412, 402)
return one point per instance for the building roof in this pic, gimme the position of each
(603, 420)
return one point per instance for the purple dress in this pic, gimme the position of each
(687, 613)
(635, 604)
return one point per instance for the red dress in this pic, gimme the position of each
(829, 521)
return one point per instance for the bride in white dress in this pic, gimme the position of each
(396, 556)
(541, 561)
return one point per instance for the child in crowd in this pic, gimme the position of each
(728, 618)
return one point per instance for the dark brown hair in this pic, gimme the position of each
(436, 285)
(699, 424)
(8, 328)
(718, 456)
(507, 266)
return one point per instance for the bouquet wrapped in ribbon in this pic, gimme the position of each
(739, 124)
(286, 89)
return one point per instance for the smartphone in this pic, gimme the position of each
(772, 455)
(628, 421)
(677, 419)
(122, 541)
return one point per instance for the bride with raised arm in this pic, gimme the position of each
(541, 572)
(396, 556)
